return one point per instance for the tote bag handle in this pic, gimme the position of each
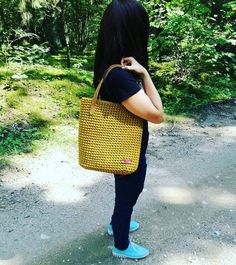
(94, 100)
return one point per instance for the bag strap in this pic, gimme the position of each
(94, 100)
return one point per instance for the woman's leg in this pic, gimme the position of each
(127, 190)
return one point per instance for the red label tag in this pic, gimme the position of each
(126, 161)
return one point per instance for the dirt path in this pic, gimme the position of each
(54, 212)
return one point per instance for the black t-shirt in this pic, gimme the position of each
(119, 85)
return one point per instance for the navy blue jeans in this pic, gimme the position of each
(127, 190)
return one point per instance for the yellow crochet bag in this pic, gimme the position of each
(110, 136)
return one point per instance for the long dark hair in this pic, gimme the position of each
(124, 31)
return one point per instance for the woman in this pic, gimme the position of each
(123, 39)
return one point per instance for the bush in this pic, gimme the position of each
(17, 139)
(192, 64)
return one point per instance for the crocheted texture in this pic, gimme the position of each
(110, 138)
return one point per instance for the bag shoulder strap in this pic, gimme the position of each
(95, 96)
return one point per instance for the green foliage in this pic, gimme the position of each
(84, 61)
(51, 74)
(56, 21)
(197, 46)
(23, 91)
(27, 54)
(4, 163)
(12, 99)
(191, 49)
(37, 120)
(55, 92)
(16, 139)
(85, 92)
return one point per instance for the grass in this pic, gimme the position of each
(47, 86)
(91, 249)
(18, 140)
(50, 95)
(4, 163)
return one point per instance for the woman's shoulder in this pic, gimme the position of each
(118, 73)
(120, 84)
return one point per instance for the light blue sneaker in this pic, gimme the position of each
(133, 251)
(133, 226)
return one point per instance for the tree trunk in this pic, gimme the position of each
(66, 35)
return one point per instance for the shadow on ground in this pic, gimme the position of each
(94, 248)
(186, 212)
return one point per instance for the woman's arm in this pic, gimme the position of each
(148, 104)
(151, 90)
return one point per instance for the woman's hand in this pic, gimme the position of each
(130, 63)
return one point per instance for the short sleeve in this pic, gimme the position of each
(121, 84)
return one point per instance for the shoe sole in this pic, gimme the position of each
(125, 256)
